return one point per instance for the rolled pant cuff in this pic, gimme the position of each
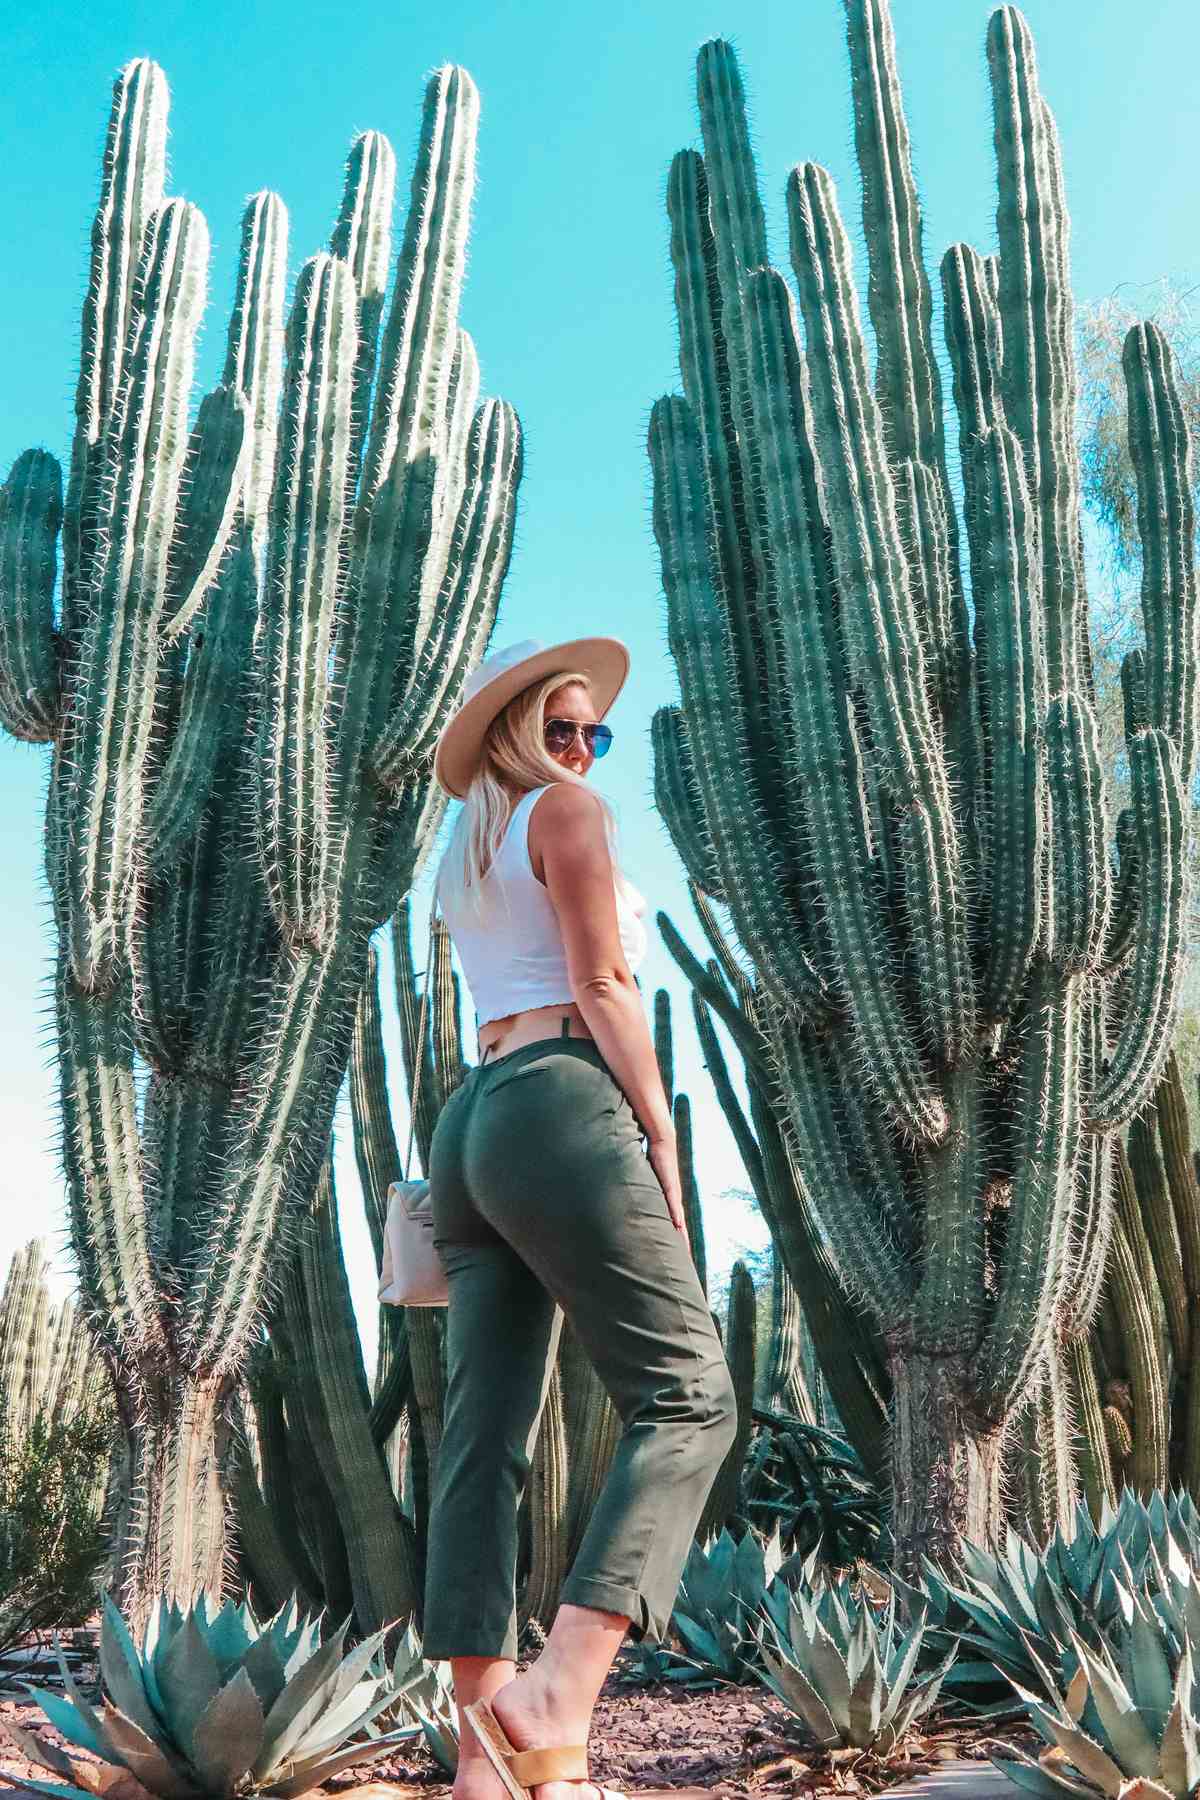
(465, 1646)
(609, 1596)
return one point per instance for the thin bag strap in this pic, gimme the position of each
(420, 1046)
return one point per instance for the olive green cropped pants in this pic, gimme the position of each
(543, 1200)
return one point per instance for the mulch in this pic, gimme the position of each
(736, 1741)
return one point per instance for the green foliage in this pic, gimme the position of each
(57, 1429)
(52, 1547)
(847, 1668)
(1109, 481)
(211, 1702)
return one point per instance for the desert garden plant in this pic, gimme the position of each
(1127, 1724)
(898, 797)
(846, 1666)
(211, 1702)
(263, 617)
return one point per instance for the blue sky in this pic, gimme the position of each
(568, 298)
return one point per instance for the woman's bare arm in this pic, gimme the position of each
(566, 834)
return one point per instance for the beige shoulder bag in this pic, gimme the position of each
(412, 1273)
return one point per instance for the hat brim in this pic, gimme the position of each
(604, 660)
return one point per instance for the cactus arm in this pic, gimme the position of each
(704, 357)
(333, 1381)
(898, 295)
(254, 345)
(881, 632)
(30, 515)
(110, 738)
(1161, 452)
(1160, 808)
(211, 705)
(739, 227)
(716, 995)
(362, 239)
(1095, 1461)
(1154, 1202)
(718, 1074)
(723, 960)
(214, 474)
(131, 191)
(105, 1202)
(476, 568)
(1122, 918)
(693, 1209)
(1148, 1465)
(462, 407)
(1175, 1133)
(1035, 304)
(869, 1261)
(1035, 1264)
(676, 798)
(1079, 886)
(698, 628)
(407, 976)
(664, 1047)
(375, 1149)
(723, 1497)
(419, 337)
(1012, 686)
(972, 330)
(907, 380)
(1093, 1223)
(296, 792)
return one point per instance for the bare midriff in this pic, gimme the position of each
(526, 1027)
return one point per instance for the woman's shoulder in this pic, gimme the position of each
(566, 801)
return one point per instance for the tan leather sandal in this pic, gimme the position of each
(522, 1770)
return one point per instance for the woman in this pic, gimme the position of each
(544, 1205)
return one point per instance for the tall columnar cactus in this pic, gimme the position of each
(898, 794)
(263, 619)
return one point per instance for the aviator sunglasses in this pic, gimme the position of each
(560, 733)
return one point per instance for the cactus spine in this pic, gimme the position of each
(263, 621)
(905, 820)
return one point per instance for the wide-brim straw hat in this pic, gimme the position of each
(505, 673)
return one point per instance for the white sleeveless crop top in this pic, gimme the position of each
(512, 951)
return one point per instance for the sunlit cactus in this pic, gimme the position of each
(886, 761)
(263, 619)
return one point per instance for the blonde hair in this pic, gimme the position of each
(513, 748)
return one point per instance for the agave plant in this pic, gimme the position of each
(424, 1690)
(845, 1667)
(725, 1583)
(1126, 1727)
(213, 1703)
(1020, 1610)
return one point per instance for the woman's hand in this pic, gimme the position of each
(663, 1157)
